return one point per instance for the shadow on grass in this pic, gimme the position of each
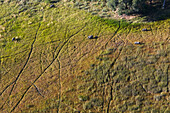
(156, 12)
(54, 1)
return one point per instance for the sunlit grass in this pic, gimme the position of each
(92, 73)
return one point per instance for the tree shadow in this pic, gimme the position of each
(54, 1)
(156, 11)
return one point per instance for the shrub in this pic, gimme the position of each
(86, 8)
(102, 4)
(47, 1)
(87, 105)
(83, 98)
(127, 6)
(104, 10)
(94, 13)
(1, 0)
(112, 4)
(96, 101)
(76, 3)
(138, 5)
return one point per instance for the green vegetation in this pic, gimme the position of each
(47, 1)
(54, 67)
(128, 9)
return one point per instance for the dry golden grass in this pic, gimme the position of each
(54, 67)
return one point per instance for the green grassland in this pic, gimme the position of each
(54, 67)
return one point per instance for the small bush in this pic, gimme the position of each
(104, 10)
(104, 14)
(2, 1)
(47, 1)
(83, 98)
(86, 8)
(76, 4)
(96, 101)
(135, 107)
(162, 84)
(103, 4)
(112, 4)
(94, 13)
(87, 105)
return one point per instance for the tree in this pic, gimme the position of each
(128, 3)
(112, 4)
(138, 5)
(127, 6)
